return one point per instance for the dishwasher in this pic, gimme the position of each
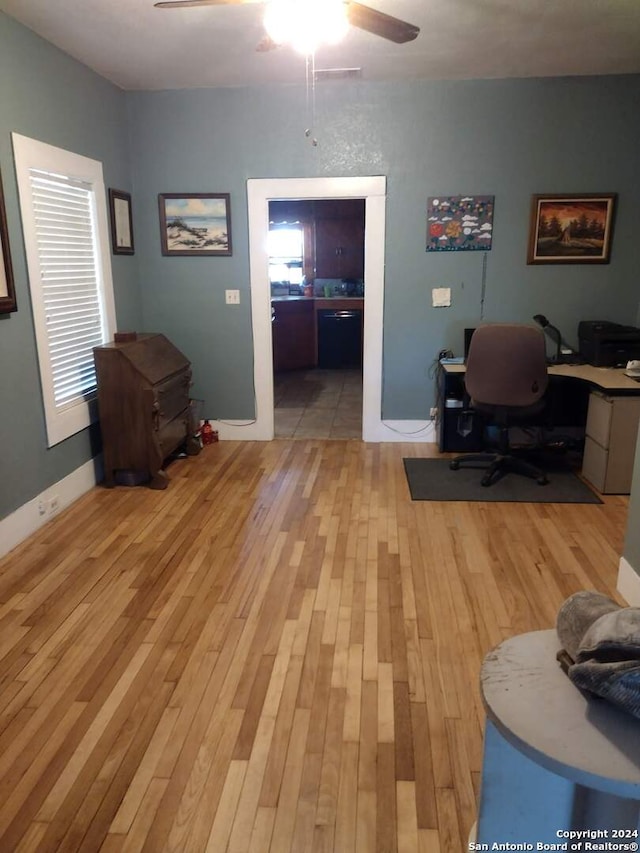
(339, 338)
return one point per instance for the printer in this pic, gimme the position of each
(606, 344)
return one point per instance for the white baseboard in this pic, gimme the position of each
(388, 431)
(409, 431)
(628, 583)
(241, 430)
(15, 528)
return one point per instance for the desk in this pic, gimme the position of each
(606, 403)
(555, 759)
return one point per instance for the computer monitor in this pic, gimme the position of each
(468, 334)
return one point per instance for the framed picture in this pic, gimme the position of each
(458, 223)
(7, 289)
(195, 224)
(121, 223)
(571, 229)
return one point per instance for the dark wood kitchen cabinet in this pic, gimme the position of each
(143, 400)
(293, 334)
(339, 239)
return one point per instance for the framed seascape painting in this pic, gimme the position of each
(7, 290)
(571, 229)
(121, 224)
(195, 224)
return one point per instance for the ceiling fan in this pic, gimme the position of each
(358, 15)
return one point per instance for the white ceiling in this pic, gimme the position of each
(139, 47)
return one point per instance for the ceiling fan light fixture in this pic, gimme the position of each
(306, 24)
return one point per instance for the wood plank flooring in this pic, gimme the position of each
(278, 653)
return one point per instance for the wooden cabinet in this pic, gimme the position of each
(610, 443)
(293, 331)
(339, 242)
(143, 400)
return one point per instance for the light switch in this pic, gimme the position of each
(232, 297)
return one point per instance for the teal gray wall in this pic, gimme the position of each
(509, 138)
(46, 95)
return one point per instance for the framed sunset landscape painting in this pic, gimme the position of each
(195, 224)
(571, 229)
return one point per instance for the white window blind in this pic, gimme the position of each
(69, 277)
(64, 221)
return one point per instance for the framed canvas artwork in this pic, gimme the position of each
(460, 223)
(571, 229)
(195, 224)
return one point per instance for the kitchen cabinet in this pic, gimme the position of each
(339, 240)
(143, 402)
(293, 334)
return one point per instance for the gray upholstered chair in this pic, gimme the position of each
(505, 379)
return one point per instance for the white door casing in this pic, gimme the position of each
(373, 190)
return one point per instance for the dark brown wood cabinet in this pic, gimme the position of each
(143, 400)
(339, 239)
(293, 330)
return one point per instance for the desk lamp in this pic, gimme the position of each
(542, 321)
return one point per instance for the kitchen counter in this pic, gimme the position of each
(338, 303)
(330, 300)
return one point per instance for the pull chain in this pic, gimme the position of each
(311, 96)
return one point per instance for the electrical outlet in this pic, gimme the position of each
(433, 413)
(232, 297)
(49, 506)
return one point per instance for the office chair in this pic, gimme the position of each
(506, 379)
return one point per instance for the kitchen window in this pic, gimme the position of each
(285, 248)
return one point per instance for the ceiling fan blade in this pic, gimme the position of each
(176, 4)
(360, 16)
(368, 19)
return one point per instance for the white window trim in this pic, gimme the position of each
(32, 154)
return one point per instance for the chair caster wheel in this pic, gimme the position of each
(454, 464)
(485, 481)
(542, 481)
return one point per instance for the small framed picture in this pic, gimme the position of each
(195, 224)
(121, 222)
(7, 289)
(571, 229)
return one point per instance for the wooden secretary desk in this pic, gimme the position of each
(143, 400)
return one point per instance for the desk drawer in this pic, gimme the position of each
(173, 433)
(610, 472)
(599, 418)
(594, 464)
(172, 397)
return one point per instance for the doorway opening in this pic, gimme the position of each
(316, 273)
(259, 193)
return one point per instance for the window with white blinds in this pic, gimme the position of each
(62, 201)
(69, 277)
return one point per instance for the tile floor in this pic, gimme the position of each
(318, 404)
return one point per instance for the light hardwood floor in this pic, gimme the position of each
(278, 653)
